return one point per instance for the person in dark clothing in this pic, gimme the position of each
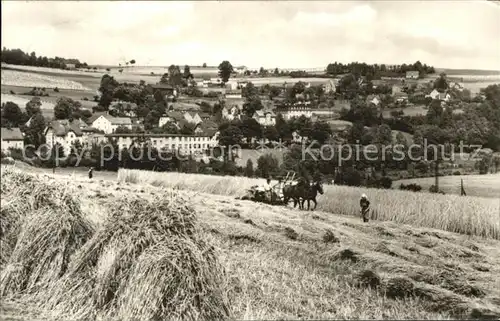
(91, 172)
(365, 207)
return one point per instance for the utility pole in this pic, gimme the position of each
(52, 151)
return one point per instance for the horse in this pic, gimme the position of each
(293, 192)
(310, 192)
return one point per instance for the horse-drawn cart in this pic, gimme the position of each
(275, 195)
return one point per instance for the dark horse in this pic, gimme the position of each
(310, 192)
(294, 192)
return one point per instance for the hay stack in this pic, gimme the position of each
(42, 226)
(148, 261)
(23, 194)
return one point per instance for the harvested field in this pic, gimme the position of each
(470, 215)
(275, 263)
(30, 79)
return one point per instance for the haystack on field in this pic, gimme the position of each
(119, 250)
(470, 215)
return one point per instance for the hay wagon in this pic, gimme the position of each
(275, 196)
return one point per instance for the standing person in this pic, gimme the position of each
(365, 207)
(91, 172)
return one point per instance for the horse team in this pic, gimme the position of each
(301, 192)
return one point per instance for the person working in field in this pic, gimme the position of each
(91, 172)
(365, 207)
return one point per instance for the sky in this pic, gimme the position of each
(284, 34)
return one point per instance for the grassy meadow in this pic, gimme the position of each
(466, 215)
(81, 249)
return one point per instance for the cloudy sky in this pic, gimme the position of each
(447, 34)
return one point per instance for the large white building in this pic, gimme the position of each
(12, 138)
(108, 124)
(185, 144)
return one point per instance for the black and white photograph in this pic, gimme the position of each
(250, 160)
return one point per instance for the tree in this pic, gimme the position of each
(229, 137)
(249, 168)
(122, 130)
(107, 89)
(384, 135)
(204, 65)
(441, 83)
(250, 91)
(187, 72)
(271, 133)
(164, 79)
(267, 166)
(67, 108)
(174, 76)
(251, 106)
(320, 132)
(12, 116)
(132, 62)
(33, 106)
(276, 72)
(34, 132)
(250, 128)
(225, 70)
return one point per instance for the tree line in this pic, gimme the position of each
(377, 71)
(19, 57)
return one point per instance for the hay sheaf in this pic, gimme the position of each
(41, 223)
(148, 261)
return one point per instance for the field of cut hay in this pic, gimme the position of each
(474, 185)
(146, 260)
(31, 79)
(466, 215)
(122, 251)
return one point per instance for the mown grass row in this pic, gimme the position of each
(466, 215)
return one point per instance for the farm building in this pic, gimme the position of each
(412, 74)
(12, 138)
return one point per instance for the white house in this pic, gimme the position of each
(108, 124)
(232, 85)
(375, 100)
(265, 117)
(412, 74)
(12, 138)
(330, 86)
(230, 113)
(439, 96)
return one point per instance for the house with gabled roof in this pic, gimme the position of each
(12, 138)
(108, 124)
(265, 117)
(65, 133)
(373, 100)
